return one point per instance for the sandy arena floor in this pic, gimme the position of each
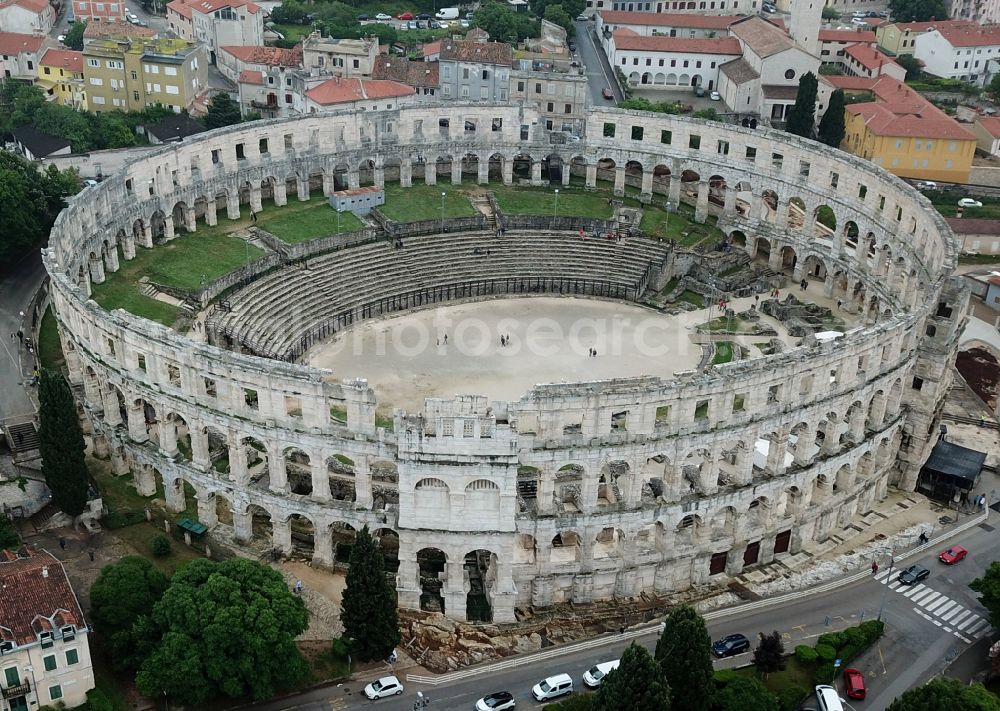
(406, 358)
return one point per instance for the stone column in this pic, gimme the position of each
(592, 175)
(256, 200)
(406, 173)
(776, 453)
(831, 438)
(353, 178)
(701, 206)
(322, 547)
(674, 191)
(320, 478)
(242, 525)
(199, 447)
(277, 472)
(238, 461)
(111, 259)
(362, 484)
(379, 177)
(146, 236)
(119, 461)
(805, 448)
(145, 481)
(546, 491)
(101, 450)
(453, 591)
(112, 415)
(456, 171)
(211, 213)
(174, 494)
(774, 258)
(734, 559)
(303, 188)
(781, 214)
(279, 192)
(207, 512)
(128, 248)
(96, 270)
(430, 172)
(189, 220)
(876, 415)
(856, 424)
(136, 422)
(483, 177)
(407, 580)
(281, 536)
(565, 173)
(619, 188)
(168, 227)
(233, 205)
(729, 207)
(536, 173)
(168, 436)
(828, 286)
(647, 182)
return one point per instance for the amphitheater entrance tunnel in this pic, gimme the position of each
(431, 564)
(480, 575)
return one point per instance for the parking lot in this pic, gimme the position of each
(684, 96)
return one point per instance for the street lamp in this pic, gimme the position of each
(555, 209)
(443, 194)
(338, 220)
(888, 579)
(667, 205)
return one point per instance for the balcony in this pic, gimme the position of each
(22, 689)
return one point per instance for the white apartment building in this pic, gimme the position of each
(649, 24)
(27, 16)
(19, 55)
(44, 652)
(694, 7)
(983, 12)
(961, 52)
(670, 62)
(217, 23)
(833, 43)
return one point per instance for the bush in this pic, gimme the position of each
(831, 639)
(806, 654)
(824, 674)
(576, 702)
(826, 653)
(340, 648)
(853, 636)
(791, 696)
(849, 652)
(872, 630)
(121, 519)
(160, 546)
(97, 701)
(724, 676)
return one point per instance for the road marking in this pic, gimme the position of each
(951, 614)
(976, 631)
(931, 599)
(925, 595)
(958, 620)
(969, 623)
(940, 611)
(937, 604)
(894, 584)
(914, 589)
(882, 576)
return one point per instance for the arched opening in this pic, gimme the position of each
(496, 168)
(608, 489)
(366, 173)
(565, 547)
(689, 530)
(522, 167)
(609, 543)
(299, 471)
(568, 489)
(769, 205)
(525, 550)
(341, 178)
(717, 189)
(661, 179)
(633, 174)
(480, 568)
(431, 563)
(470, 165)
(689, 185)
(179, 216)
(388, 542)
(825, 222)
(342, 474)
(385, 485)
(851, 233)
(257, 463)
(654, 489)
(606, 169)
(788, 258)
(261, 525)
(303, 535)
(553, 168)
(343, 535)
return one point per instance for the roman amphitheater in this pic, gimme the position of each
(507, 488)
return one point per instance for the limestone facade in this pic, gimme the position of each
(575, 492)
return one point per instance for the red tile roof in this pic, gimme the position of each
(971, 35)
(65, 58)
(658, 19)
(35, 6)
(849, 83)
(116, 28)
(991, 124)
(431, 48)
(682, 45)
(933, 24)
(901, 120)
(479, 52)
(973, 226)
(345, 91)
(847, 36)
(35, 596)
(14, 43)
(269, 56)
(249, 76)
(867, 56)
(180, 7)
(209, 6)
(422, 74)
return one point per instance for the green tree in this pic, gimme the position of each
(637, 683)
(641, 104)
(802, 116)
(222, 111)
(289, 12)
(746, 694)
(911, 64)
(684, 653)
(31, 200)
(223, 628)
(503, 24)
(61, 445)
(368, 606)
(988, 587)
(946, 694)
(832, 126)
(558, 15)
(74, 37)
(769, 656)
(830, 13)
(918, 10)
(123, 593)
(9, 539)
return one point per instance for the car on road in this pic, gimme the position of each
(769, 8)
(828, 698)
(595, 675)
(859, 21)
(382, 17)
(423, 16)
(854, 683)
(61, 39)
(953, 555)
(553, 687)
(715, 96)
(499, 701)
(606, 93)
(582, 18)
(386, 686)
(913, 575)
(969, 202)
(730, 646)
(404, 16)
(926, 185)
(572, 47)
(363, 18)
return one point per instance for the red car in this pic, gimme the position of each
(953, 555)
(405, 16)
(606, 93)
(854, 680)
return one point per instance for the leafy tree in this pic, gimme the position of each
(31, 200)
(8, 534)
(222, 111)
(74, 37)
(802, 116)
(830, 13)
(503, 24)
(911, 64)
(641, 104)
(832, 126)
(572, 7)
(223, 628)
(61, 445)
(368, 607)
(289, 12)
(576, 702)
(558, 15)
(988, 587)
(124, 592)
(684, 653)
(946, 694)
(918, 10)
(769, 656)
(746, 694)
(160, 546)
(637, 683)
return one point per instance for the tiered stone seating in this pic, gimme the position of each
(273, 313)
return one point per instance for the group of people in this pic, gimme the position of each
(504, 340)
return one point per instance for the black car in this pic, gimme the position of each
(362, 18)
(423, 16)
(572, 47)
(913, 575)
(730, 646)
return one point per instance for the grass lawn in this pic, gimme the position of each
(303, 221)
(979, 259)
(49, 347)
(692, 297)
(423, 202)
(542, 201)
(947, 204)
(294, 32)
(795, 674)
(116, 293)
(723, 353)
(140, 536)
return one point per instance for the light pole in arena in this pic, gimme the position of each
(555, 209)
(442, 212)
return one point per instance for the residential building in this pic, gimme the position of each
(475, 70)
(43, 634)
(977, 236)
(862, 60)
(896, 38)
(765, 79)
(60, 76)
(961, 52)
(27, 16)
(217, 23)
(234, 60)
(699, 7)
(430, 52)
(96, 10)
(268, 79)
(115, 29)
(647, 24)
(339, 57)
(422, 76)
(557, 88)
(982, 12)
(358, 94)
(987, 130)
(129, 75)
(19, 54)
(833, 43)
(906, 134)
(36, 145)
(671, 62)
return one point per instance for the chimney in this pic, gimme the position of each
(45, 572)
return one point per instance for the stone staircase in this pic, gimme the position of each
(22, 438)
(482, 205)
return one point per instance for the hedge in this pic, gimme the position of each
(806, 654)
(121, 519)
(826, 652)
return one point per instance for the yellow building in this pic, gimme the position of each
(904, 133)
(60, 76)
(896, 38)
(131, 74)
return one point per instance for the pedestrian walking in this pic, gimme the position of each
(91, 554)
(874, 567)
(62, 543)
(446, 339)
(840, 303)
(923, 537)
(253, 216)
(298, 587)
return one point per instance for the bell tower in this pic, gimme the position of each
(805, 23)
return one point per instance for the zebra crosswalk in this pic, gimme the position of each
(938, 608)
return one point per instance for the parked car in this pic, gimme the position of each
(606, 93)
(926, 185)
(595, 675)
(699, 90)
(913, 575)
(363, 18)
(859, 21)
(953, 555)
(423, 16)
(552, 687)
(854, 682)
(969, 202)
(421, 25)
(499, 701)
(582, 18)
(465, 24)
(61, 39)
(405, 16)
(382, 17)
(386, 686)
(730, 646)
(769, 8)
(572, 47)
(715, 96)
(433, 24)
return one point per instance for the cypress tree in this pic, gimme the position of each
(831, 126)
(368, 608)
(61, 445)
(637, 683)
(685, 655)
(802, 115)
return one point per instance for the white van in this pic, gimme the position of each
(595, 675)
(552, 687)
(828, 699)
(447, 13)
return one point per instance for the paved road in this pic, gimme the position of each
(17, 285)
(599, 74)
(926, 627)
